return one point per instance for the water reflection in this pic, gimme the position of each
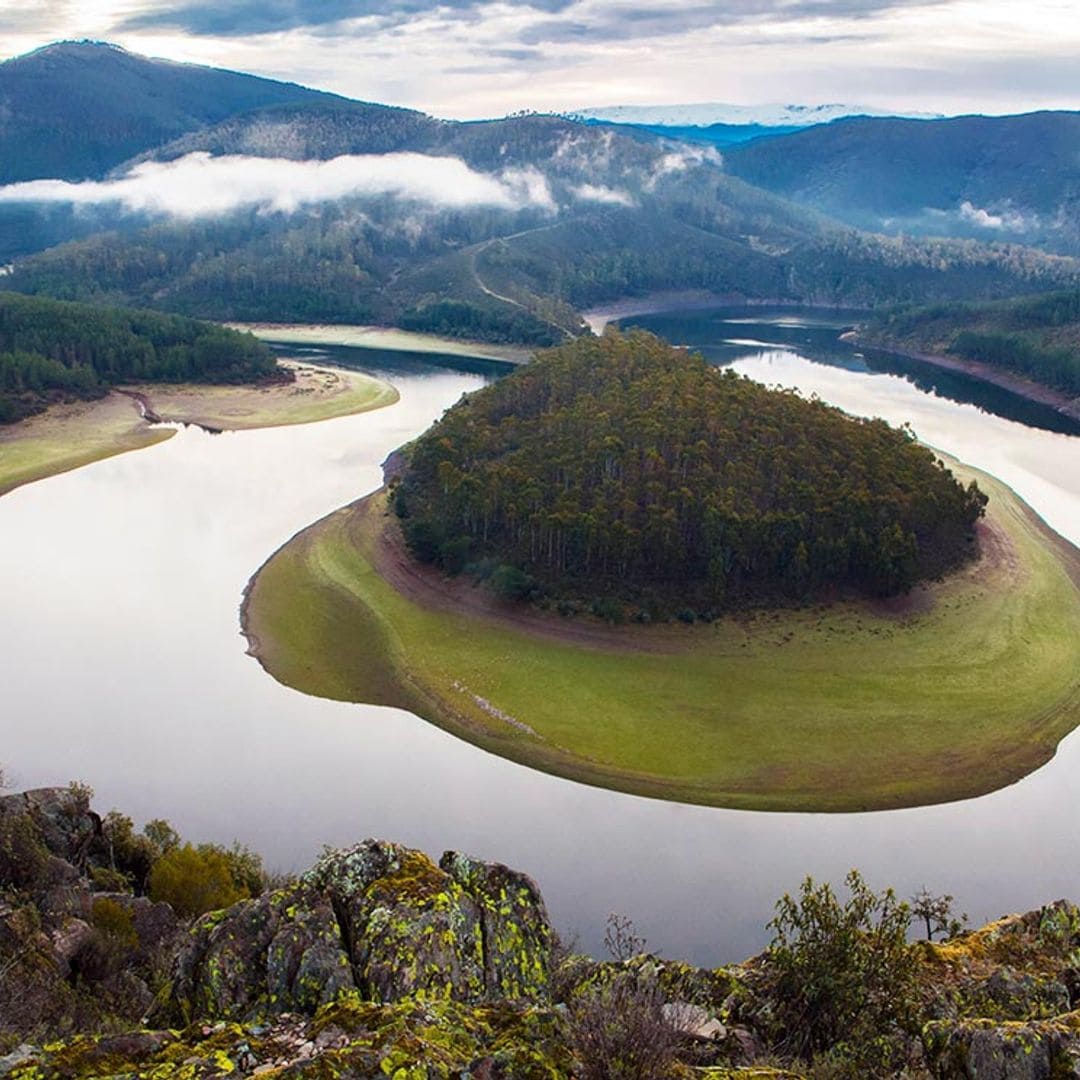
(727, 335)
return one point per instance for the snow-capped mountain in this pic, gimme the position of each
(708, 113)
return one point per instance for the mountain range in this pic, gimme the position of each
(707, 114)
(1014, 178)
(232, 197)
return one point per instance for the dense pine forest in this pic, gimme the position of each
(625, 471)
(1035, 336)
(52, 350)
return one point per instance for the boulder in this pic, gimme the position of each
(379, 919)
(411, 929)
(1011, 1050)
(514, 925)
(278, 953)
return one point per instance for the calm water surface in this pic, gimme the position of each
(123, 666)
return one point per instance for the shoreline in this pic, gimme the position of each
(1028, 389)
(679, 301)
(390, 338)
(70, 435)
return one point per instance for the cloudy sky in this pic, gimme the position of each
(470, 58)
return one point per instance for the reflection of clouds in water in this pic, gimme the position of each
(163, 713)
(1041, 466)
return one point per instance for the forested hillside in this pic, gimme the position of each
(51, 350)
(1036, 336)
(77, 109)
(618, 218)
(626, 471)
(544, 216)
(1013, 178)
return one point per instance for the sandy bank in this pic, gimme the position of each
(383, 337)
(65, 437)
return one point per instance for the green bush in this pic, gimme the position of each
(194, 880)
(109, 948)
(23, 857)
(843, 975)
(106, 879)
(511, 583)
(454, 554)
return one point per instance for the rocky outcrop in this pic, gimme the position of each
(1004, 997)
(380, 920)
(61, 819)
(380, 962)
(58, 934)
(1013, 1050)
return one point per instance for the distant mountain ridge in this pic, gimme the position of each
(586, 213)
(706, 114)
(1012, 178)
(74, 110)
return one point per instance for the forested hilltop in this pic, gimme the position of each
(52, 350)
(626, 470)
(1037, 337)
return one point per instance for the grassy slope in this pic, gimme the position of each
(811, 710)
(66, 437)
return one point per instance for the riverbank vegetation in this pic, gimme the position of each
(1036, 337)
(52, 350)
(625, 473)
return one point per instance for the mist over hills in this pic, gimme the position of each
(311, 207)
(1014, 178)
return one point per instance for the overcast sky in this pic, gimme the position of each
(471, 58)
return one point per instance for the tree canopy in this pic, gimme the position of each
(52, 349)
(625, 469)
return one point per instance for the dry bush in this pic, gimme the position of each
(620, 1032)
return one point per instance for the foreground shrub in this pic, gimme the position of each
(23, 858)
(843, 975)
(111, 944)
(196, 880)
(619, 1031)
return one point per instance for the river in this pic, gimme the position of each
(123, 666)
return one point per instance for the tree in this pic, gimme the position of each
(936, 914)
(842, 973)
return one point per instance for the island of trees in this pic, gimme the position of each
(52, 350)
(623, 471)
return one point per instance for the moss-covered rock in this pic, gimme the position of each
(1013, 1050)
(379, 919)
(281, 952)
(514, 923)
(408, 1040)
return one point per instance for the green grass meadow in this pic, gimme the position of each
(839, 709)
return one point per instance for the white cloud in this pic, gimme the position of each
(600, 194)
(200, 185)
(976, 215)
